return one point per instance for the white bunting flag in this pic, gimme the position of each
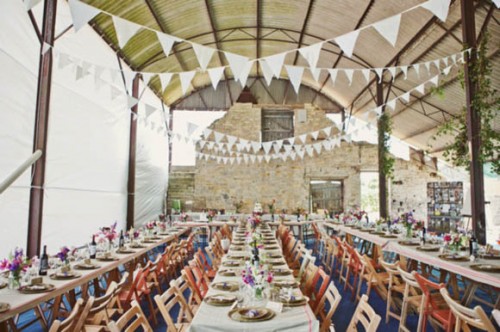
(201, 143)
(435, 80)
(437, 64)
(310, 150)
(315, 73)
(206, 133)
(165, 79)
(166, 42)
(236, 63)
(416, 67)
(267, 146)
(327, 131)
(380, 73)
(301, 153)
(275, 63)
(267, 158)
(244, 73)
(191, 128)
(421, 88)
(349, 73)
(186, 78)
(81, 13)
(454, 57)
(210, 145)
(288, 148)
(266, 71)
(333, 75)
(303, 138)
(389, 28)
(131, 101)
(291, 140)
(255, 146)
(146, 77)
(327, 145)
(366, 74)
(406, 96)
(124, 30)
(295, 76)
(311, 54)
(315, 134)
(231, 139)
(346, 42)
(259, 158)
(278, 144)
(78, 73)
(392, 70)
(428, 67)
(438, 8)
(148, 109)
(445, 61)
(391, 104)
(215, 75)
(317, 147)
(293, 155)
(203, 54)
(218, 136)
(45, 48)
(404, 69)
(497, 3)
(378, 110)
(446, 70)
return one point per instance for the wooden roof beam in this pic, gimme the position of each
(304, 28)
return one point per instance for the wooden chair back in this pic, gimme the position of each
(76, 318)
(99, 311)
(364, 315)
(167, 302)
(330, 300)
(465, 317)
(132, 320)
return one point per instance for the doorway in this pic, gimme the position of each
(326, 194)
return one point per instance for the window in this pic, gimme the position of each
(326, 194)
(276, 124)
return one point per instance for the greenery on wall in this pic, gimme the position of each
(386, 159)
(487, 104)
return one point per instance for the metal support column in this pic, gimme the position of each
(473, 125)
(41, 128)
(132, 156)
(382, 180)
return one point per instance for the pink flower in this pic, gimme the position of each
(447, 238)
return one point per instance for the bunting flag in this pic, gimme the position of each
(191, 128)
(366, 74)
(416, 67)
(380, 73)
(215, 75)
(165, 80)
(404, 70)
(148, 109)
(346, 42)
(315, 72)
(218, 137)
(421, 88)
(349, 73)
(406, 96)
(275, 63)
(186, 78)
(166, 42)
(81, 13)
(203, 54)
(389, 28)
(295, 76)
(244, 73)
(311, 54)
(146, 77)
(29, 4)
(497, 3)
(45, 48)
(438, 8)
(236, 63)
(266, 71)
(333, 75)
(131, 101)
(124, 30)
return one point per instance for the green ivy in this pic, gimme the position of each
(486, 103)
(386, 160)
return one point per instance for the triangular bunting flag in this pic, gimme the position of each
(45, 48)
(315, 134)
(255, 146)
(389, 28)
(215, 75)
(301, 153)
(259, 158)
(404, 69)
(124, 30)
(131, 101)
(392, 70)
(435, 80)
(146, 77)
(148, 109)
(380, 73)
(267, 146)
(165, 79)
(315, 72)
(218, 136)
(275, 63)
(333, 75)
(346, 42)
(191, 128)
(244, 73)
(231, 139)
(366, 74)
(201, 143)
(186, 78)
(310, 150)
(303, 138)
(295, 76)
(406, 96)
(391, 104)
(203, 54)
(267, 158)
(266, 71)
(317, 147)
(311, 54)
(252, 158)
(327, 131)
(81, 13)
(446, 71)
(416, 67)
(29, 4)
(438, 8)
(349, 73)
(421, 88)
(166, 42)
(497, 3)
(236, 63)
(206, 133)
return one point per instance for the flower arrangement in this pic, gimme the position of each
(107, 233)
(210, 215)
(63, 254)
(16, 263)
(254, 220)
(253, 276)
(453, 241)
(162, 225)
(150, 225)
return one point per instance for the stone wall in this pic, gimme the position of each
(219, 185)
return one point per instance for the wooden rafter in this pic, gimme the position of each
(303, 30)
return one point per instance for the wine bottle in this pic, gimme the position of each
(44, 262)
(121, 241)
(92, 247)
(422, 240)
(473, 245)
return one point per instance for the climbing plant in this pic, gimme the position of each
(487, 105)
(386, 159)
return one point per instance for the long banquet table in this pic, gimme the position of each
(20, 302)
(213, 318)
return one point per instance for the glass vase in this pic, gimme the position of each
(14, 280)
(409, 232)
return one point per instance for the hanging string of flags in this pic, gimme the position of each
(241, 66)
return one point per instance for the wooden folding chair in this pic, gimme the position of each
(167, 302)
(396, 286)
(374, 279)
(364, 315)
(76, 318)
(131, 320)
(329, 301)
